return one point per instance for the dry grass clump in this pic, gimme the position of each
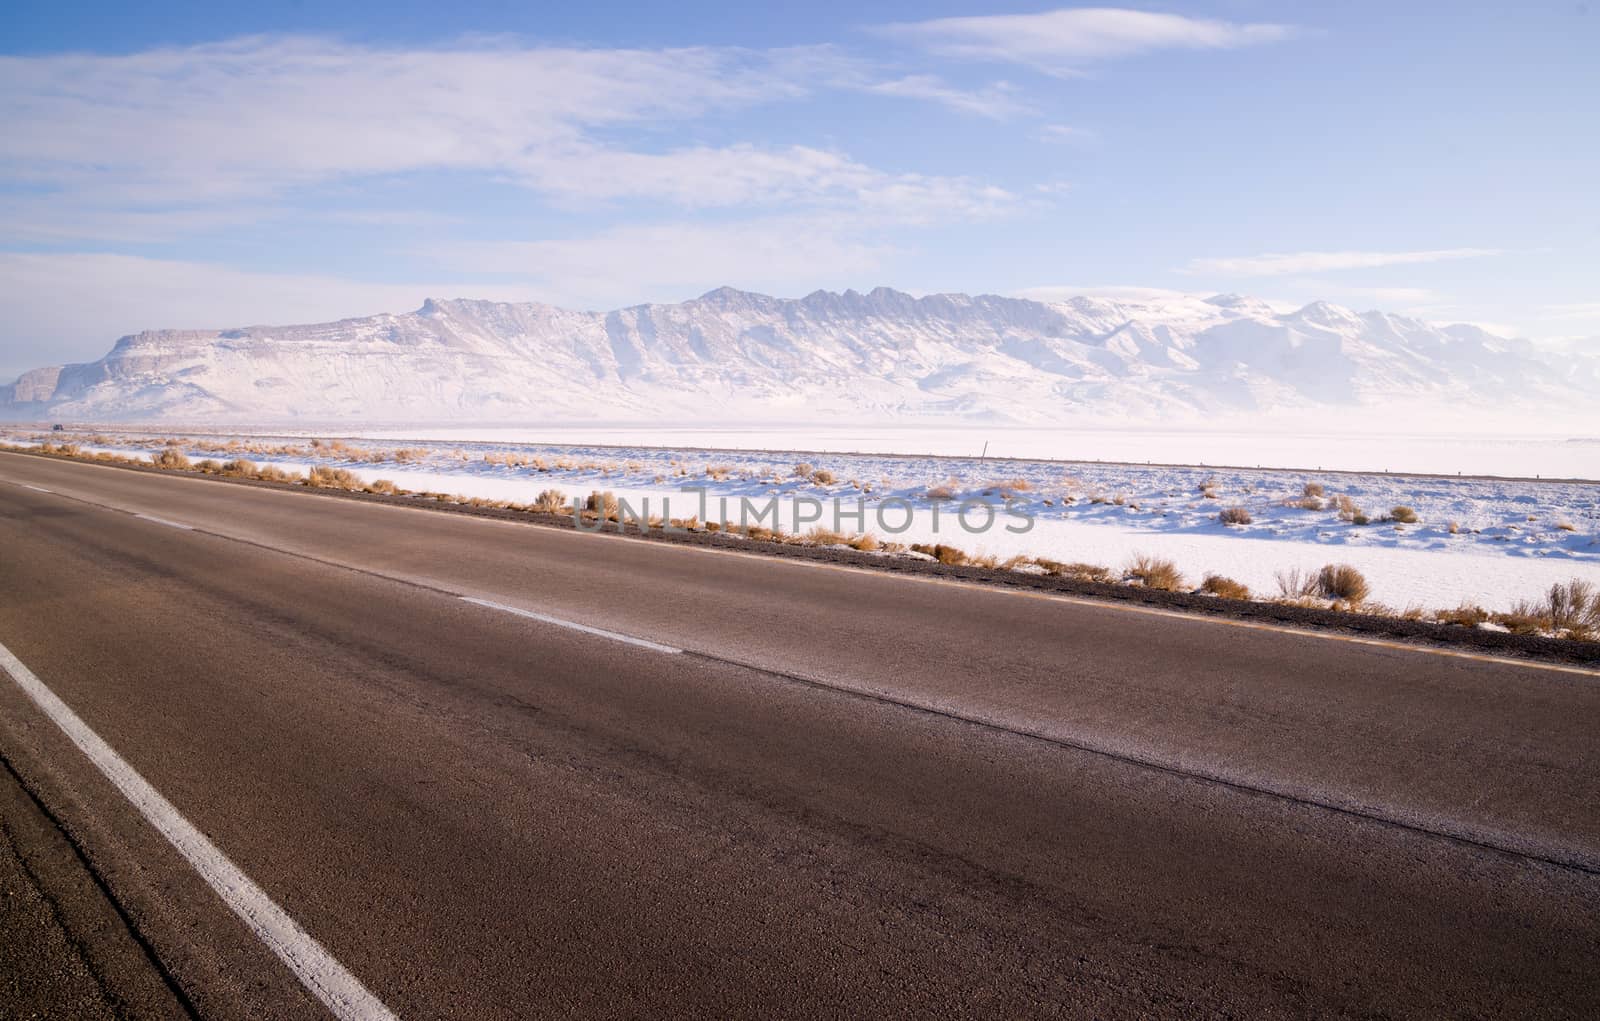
(551, 501)
(383, 487)
(405, 455)
(1466, 615)
(946, 490)
(1235, 516)
(1403, 514)
(1566, 526)
(602, 504)
(1573, 606)
(1310, 503)
(1313, 489)
(209, 465)
(1295, 584)
(1347, 507)
(241, 468)
(325, 477)
(272, 473)
(819, 536)
(823, 477)
(866, 542)
(1076, 571)
(804, 469)
(719, 472)
(1227, 588)
(1154, 572)
(169, 458)
(950, 555)
(1341, 581)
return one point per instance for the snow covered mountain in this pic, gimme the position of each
(731, 355)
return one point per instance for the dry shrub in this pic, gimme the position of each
(719, 472)
(1573, 606)
(804, 469)
(1296, 584)
(209, 465)
(943, 491)
(1341, 581)
(1154, 572)
(603, 504)
(1566, 526)
(823, 477)
(383, 487)
(819, 536)
(1310, 503)
(1403, 514)
(1227, 588)
(1077, 571)
(324, 477)
(1466, 615)
(169, 458)
(951, 555)
(866, 542)
(272, 473)
(1524, 618)
(1235, 516)
(551, 501)
(1348, 509)
(1313, 489)
(241, 468)
(407, 454)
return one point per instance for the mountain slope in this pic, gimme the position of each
(731, 354)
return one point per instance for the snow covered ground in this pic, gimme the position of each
(1485, 540)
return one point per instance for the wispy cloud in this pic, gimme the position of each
(997, 101)
(1281, 263)
(1062, 41)
(251, 121)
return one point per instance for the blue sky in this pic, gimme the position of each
(205, 165)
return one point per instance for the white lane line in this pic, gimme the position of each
(164, 521)
(573, 625)
(36, 489)
(341, 992)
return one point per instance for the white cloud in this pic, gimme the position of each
(1279, 264)
(746, 175)
(1060, 41)
(998, 101)
(164, 142)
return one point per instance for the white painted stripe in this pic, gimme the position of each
(36, 489)
(164, 521)
(574, 625)
(326, 978)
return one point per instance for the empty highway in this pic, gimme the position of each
(274, 755)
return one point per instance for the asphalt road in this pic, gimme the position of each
(772, 789)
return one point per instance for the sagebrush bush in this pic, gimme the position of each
(1235, 516)
(1313, 489)
(951, 555)
(383, 487)
(1403, 514)
(241, 468)
(1227, 588)
(823, 477)
(1574, 605)
(1155, 572)
(169, 457)
(322, 476)
(551, 501)
(1341, 581)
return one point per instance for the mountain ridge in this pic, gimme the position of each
(883, 354)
